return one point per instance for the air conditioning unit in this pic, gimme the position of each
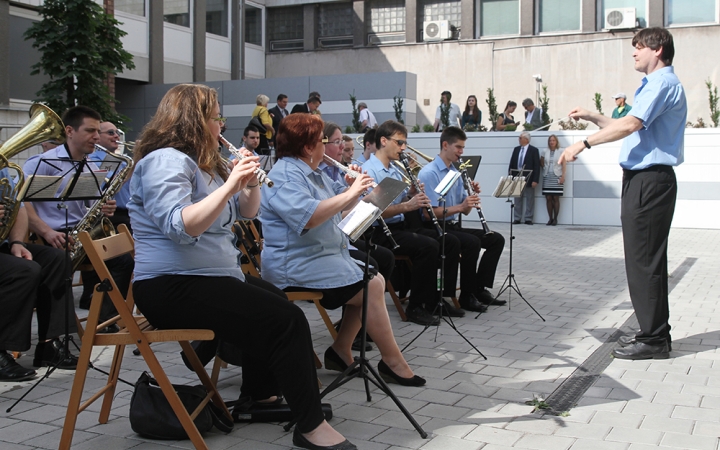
(436, 30)
(620, 18)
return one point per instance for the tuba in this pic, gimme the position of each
(44, 125)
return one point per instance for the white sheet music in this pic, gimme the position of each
(40, 186)
(87, 184)
(364, 213)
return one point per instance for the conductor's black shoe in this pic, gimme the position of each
(389, 376)
(53, 353)
(447, 309)
(471, 303)
(641, 350)
(486, 298)
(301, 441)
(628, 340)
(10, 370)
(420, 316)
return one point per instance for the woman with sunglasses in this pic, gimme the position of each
(305, 250)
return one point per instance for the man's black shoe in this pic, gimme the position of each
(628, 340)
(85, 299)
(447, 309)
(640, 350)
(110, 329)
(486, 298)
(419, 316)
(10, 370)
(471, 303)
(528, 222)
(53, 353)
(516, 222)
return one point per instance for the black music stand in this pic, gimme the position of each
(512, 188)
(381, 197)
(51, 188)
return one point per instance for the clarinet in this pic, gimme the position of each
(416, 185)
(468, 187)
(353, 174)
(259, 173)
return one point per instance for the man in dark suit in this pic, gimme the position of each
(526, 157)
(310, 106)
(278, 113)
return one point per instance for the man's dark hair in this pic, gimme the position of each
(447, 94)
(315, 99)
(452, 135)
(369, 136)
(387, 129)
(314, 94)
(74, 116)
(654, 38)
(250, 128)
(281, 97)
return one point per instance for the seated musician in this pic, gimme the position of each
(305, 250)
(47, 220)
(184, 200)
(474, 278)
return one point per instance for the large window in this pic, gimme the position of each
(285, 23)
(216, 17)
(558, 15)
(385, 16)
(177, 12)
(136, 7)
(442, 10)
(691, 11)
(639, 5)
(499, 17)
(253, 25)
(335, 19)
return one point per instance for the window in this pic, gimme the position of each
(385, 16)
(499, 17)
(177, 12)
(253, 25)
(216, 17)
(335, 19)
(691, 11)
(558, 15)
(442, 10)
(136, 7)
(285, 23)
(639, 5)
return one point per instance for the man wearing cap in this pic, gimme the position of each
(622, 108)
(367, 118)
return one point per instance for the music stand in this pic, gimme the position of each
(381, 196)
(511, 188)
(81, 185)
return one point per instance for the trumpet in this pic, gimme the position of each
(259, 173)
(463, 166)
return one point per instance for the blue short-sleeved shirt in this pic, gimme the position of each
(377, 170)
(360, 160)
(123, 195)
(661, 106)
(315, 258)
(431, 175)
(163, 183)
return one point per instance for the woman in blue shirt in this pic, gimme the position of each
(184, 200)
(305, 250)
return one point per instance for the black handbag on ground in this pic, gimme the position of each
(151, 415)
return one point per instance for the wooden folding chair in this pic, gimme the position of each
(135, 330)
(394, 294)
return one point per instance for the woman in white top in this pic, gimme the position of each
(553, 178)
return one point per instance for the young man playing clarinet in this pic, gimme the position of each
(474, 278)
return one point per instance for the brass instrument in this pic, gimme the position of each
(44, 125)
(259, 173)
(94, 221)
(405, 162)
(463, 166)
(124, 147)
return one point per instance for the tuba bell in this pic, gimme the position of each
(44, 125)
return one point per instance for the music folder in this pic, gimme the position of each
(371, 207)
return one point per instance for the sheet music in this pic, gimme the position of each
(87, 184)
(364, 213)
(517, 186)
(447, 182)
(501, 190)
(40, 185)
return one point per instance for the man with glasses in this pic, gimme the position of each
(421, 245)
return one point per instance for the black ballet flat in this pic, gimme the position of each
(391, 377)
(300, 441)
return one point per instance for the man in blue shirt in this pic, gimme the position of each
(474, 279)
(654, 132)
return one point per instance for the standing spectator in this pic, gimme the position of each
(533, 114)
(453, 112)
(278, 113)
(525, 157)
(367, 118)
(553, 178)
(472, 115)
(262, 113)
(621, 108)
(505, 120)
(310, 106)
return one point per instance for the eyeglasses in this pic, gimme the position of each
(335, 142)
(324, 140)
(399, 142)
(220, 119)
(110, 133)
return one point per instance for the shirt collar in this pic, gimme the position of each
(374, 160)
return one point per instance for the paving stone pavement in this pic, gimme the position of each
(573, 275)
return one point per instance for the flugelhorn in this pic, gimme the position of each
(259, 173)
(463, 166)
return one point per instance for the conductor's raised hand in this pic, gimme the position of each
(570, 153)
(579, 113)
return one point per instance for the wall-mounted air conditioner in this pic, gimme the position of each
(620, 18)
(436, 30)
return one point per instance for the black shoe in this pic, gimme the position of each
(516, 222)
(110, 329)
(52, 353)
(528, 222)
(447, 309)
(640, 350)
(391, 377)
(300, 441)
(357, 344)
(333, 361)
(420, 316)
(10, 370)
(486, 298)
(626, 340)
(470, 303)
(86, 299)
